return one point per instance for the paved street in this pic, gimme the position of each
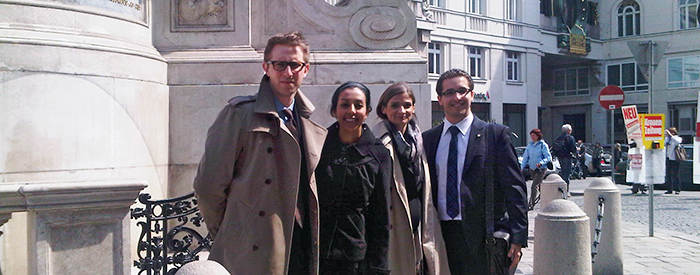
(671, 212)
(675, 247)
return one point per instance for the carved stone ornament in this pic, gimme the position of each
(387, 25)
(202, 15)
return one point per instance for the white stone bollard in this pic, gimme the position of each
(609, 257)
(551, 189)
(205, 267)
(562, 240)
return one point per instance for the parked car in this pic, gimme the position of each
(604, 162)
(685, 171)
(555, 163)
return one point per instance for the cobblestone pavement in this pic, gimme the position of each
(675, 246)
(671, 212)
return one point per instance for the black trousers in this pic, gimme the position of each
(673, 177)
(334, 267)
(299, 258)
(462, 257)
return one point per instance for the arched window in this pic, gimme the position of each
(688, 13)
(628, 19)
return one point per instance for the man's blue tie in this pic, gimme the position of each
(452, 193)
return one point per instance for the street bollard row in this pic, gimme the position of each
(563, 232)
(552, 188)
(562, 240)
(609, 248)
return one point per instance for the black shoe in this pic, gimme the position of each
(668, 192)
(678, 192)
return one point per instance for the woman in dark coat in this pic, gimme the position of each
(353, 177)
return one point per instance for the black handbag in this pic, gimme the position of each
(497, 244)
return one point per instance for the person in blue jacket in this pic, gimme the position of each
(536, 157)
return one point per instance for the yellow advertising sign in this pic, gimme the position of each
(653, 129)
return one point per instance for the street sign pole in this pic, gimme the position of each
(651, 108)
(612, 144)
(611, 98)
(651, 75)
(651, 44)
(648, 66)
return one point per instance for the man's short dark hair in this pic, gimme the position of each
(451, 74)
(289, 39)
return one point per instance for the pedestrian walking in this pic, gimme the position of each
(564, 148)
(536, 157)
(597, 157)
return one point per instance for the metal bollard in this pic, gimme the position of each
(204, 267)
(552, 188)
(609, 248)
(562, 240)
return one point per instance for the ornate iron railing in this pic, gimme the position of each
(163, 250)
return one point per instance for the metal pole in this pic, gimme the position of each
(651, 204)
(651, 74)
(651, 155)
(612, 144)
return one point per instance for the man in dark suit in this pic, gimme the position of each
(460, 195)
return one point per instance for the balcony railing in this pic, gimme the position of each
(478, 24)
(514, 30)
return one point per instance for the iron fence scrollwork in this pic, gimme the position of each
(162, 250)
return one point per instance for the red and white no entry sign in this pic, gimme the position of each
(611, 97)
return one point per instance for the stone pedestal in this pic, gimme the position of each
(609, 257)
(552, 188)
(562, 240)
(74, 227)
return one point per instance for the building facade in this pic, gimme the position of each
(497, 42)
(540, 66)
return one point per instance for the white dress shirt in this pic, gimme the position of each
(441, 162)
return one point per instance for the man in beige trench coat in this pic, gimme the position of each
(255, 184)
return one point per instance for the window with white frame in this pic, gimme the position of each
(688, 13)
(475, 63)
(628, 19)
(628, 77)
(571, 82)
(512, 10)
(434, 58)
(437, 3)
(475, 6)
(512, 66)
(684, 72)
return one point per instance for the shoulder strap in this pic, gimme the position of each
(489, 182)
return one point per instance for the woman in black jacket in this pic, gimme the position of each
(353, 177)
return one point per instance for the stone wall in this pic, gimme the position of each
(368, 41)
(83, 95)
